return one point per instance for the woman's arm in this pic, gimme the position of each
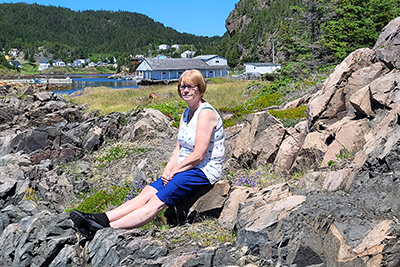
(206, 123)
(173, 161)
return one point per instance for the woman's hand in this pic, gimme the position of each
(165, 178)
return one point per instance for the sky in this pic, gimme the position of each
(201, 17)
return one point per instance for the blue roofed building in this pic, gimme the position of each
(167, 70)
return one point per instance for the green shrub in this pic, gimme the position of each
(290, 117)
(172, 110)
(293, 113)
(103, 199)
(259, 102)
(265, 101)
(118, 151)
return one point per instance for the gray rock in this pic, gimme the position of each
(27, 242)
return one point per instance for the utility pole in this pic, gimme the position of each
(273, 51)
(149, 50)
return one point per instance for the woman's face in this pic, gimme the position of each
(190, 91)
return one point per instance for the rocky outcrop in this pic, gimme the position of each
(342, 212)
(348, 148)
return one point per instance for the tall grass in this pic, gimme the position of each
(108, 100)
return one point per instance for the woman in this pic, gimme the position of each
(196, 161)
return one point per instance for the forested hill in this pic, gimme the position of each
(311, 33)
(30, 25)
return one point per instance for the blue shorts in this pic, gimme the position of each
(180, 186)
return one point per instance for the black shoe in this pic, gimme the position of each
(85, 220)
(85, 233)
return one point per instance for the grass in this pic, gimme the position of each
(207, 233)
(290, 117)
(101, 200)
(115, 152)
(262, 175)
(108, 100)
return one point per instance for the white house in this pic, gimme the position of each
(176, 46)
(163, 47)
(58, 63)
(44, 64)
(188, 54)
(170, 69)
(214, 60)
(260, 68)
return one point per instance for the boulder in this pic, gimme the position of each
(238, 195)
(207, 202)
(333, 86)
(27, 242)
(288, 151)
(386, 45)
(262, 210)
(259, 140)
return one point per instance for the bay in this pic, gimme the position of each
(80, 82)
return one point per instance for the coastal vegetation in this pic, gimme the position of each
(39, 30)
(308, 33)
(232, 92)
(305, 36)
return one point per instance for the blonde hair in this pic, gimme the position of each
(193, 76)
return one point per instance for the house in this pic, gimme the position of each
(261, 68)
(58, 63)
(176, 46)
(170, 69)
(15, 63)
(76, 64)
(188, 54)
(102, 64)
(44, 64)
(214, 60)
(14, 52)
(163, 47)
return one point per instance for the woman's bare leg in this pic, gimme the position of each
(140, 216)
(147, 193)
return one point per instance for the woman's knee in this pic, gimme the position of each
(156, 203)
(148, 191)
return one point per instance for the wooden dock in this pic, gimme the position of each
(151, 81)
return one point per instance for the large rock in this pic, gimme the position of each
(329, 101)
(35, 240)
(259, 140)
(387, 43)
(288, 150)
(264, 209)
(207, 202)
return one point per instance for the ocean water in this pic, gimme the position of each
(80, 82)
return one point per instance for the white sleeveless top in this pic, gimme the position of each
(211, 165)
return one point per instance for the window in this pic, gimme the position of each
(217, 61)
